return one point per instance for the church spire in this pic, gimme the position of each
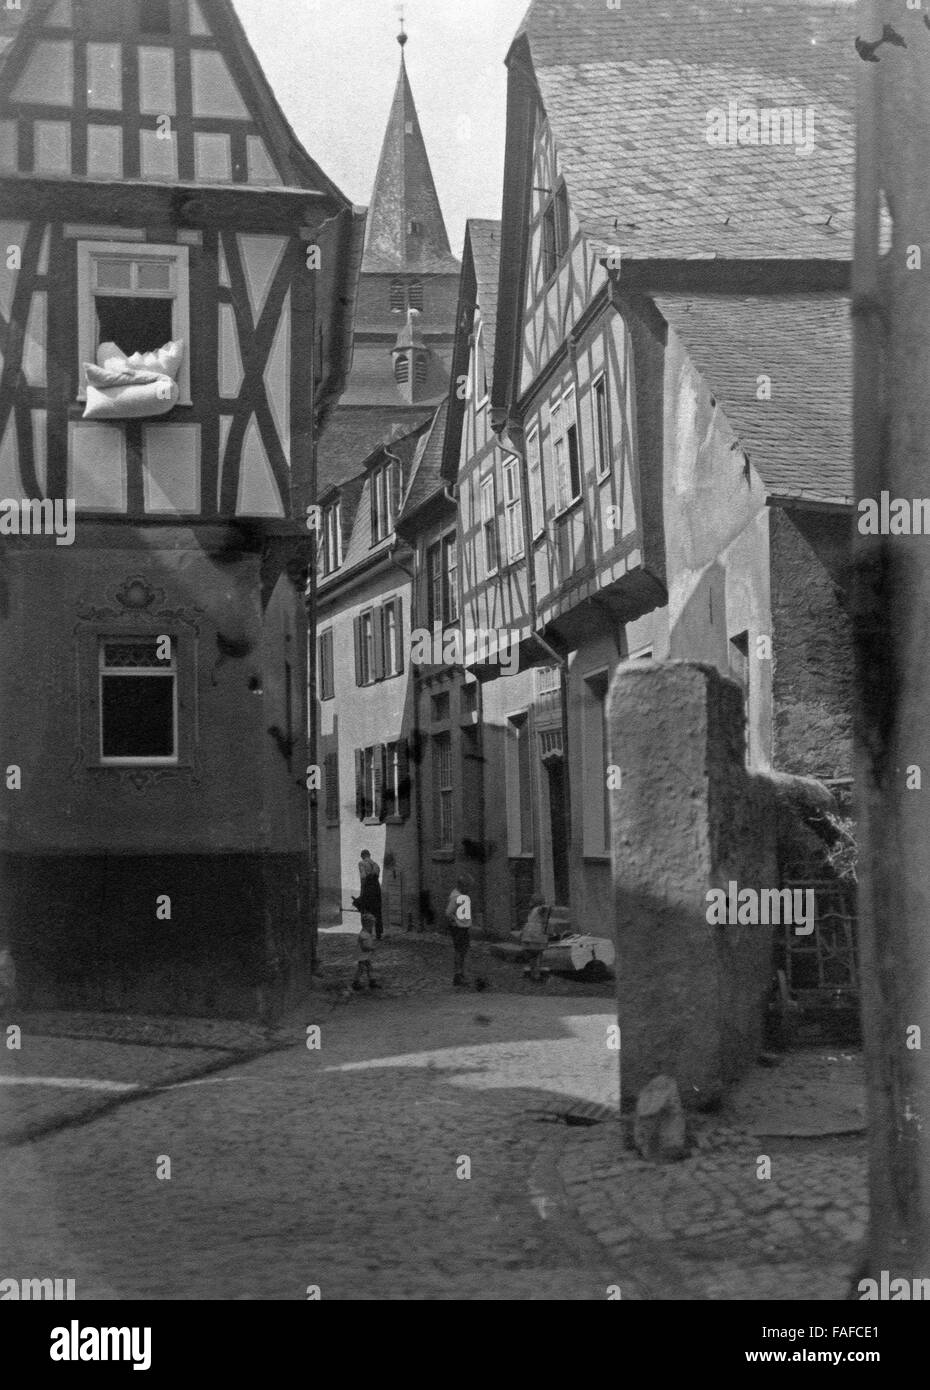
(406, 231)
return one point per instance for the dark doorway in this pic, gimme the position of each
(555, 767)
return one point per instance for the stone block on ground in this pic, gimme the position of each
(659, 1131)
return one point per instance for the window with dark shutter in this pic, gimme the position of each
(378, 781)
(326, 665)
(357, 631)
(360, 783)
(331, 787)
(377, 673)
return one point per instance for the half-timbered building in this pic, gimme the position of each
(176, 288)
(669, 400)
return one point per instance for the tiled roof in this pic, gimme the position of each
(485, 237)
(354, 433)
(360, 547)
(628, 91)
(800, 441)
(406, 230)
(426, 479)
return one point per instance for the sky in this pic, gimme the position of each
(333, 66)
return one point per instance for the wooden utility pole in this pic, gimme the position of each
(891, 598)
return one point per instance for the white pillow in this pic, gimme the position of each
(166, 360)
(103, 378)
(132, 402)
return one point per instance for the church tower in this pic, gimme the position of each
(408, 290)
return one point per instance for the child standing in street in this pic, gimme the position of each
(367, 941)
(458, 920)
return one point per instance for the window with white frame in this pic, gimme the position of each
(385, 497)
(443, 834)
(489, 526)
(442, 565)
(601, 410)
(138, 700)
(392, 638)
(332, 538)
(513, 509)
(534, 469)
(566, 457)
(136, 296)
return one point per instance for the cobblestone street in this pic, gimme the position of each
(338, 1167)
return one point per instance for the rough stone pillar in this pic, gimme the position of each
(687, 817)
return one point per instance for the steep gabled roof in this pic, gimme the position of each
(628, 92)
(800, 441)
(478, 288)
(406, 231)
(426, 480)
(354, 433)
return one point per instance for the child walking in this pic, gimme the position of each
(458, 920)
(367, 941)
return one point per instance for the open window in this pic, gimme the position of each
(136, 296)
(138, 701)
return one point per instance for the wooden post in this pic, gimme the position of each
(891, 603)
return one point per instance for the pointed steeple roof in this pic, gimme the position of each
(406, 231)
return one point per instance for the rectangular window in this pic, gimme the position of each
(392, 639)
(138, 700)
(601, 427)
(385, 498)
(534, 468)
(135, 296)
(396, 781)
(332, 538)
(513, 509)
(566, 457)
(442, 580)
(365, 648)
(555, 232)
(331, 788)
(480, 368)
(489, 526)
(596, 793)
(325, 665)
(443, 837)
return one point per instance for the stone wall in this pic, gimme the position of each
(688, 817)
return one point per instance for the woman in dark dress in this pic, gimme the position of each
(369, 898)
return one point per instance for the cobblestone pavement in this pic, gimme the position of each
(338, 1167)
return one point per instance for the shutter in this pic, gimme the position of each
(360, 783)
(377, 754)
(403, 779)
(399, 634)
(377, 628)
(357, 628)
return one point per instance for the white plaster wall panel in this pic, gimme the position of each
(39, 448)
(105, 76)
(230, 363)
(104, 152)
(171, 468)
(261, 256)
(258, 492)
(225, 426)
(34, 347)
(9, 146)
(97, 467)
(11, 234)
(156, 81)
(199, 25)
(60, 16)
(261, 168)
(52, 147)
(158, 157)
(278, 378)
(10, 483)
(48, 77)
(212, 158)
(215, 94)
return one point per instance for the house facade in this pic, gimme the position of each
(666, 471)
(176, 290)
(375, 456)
